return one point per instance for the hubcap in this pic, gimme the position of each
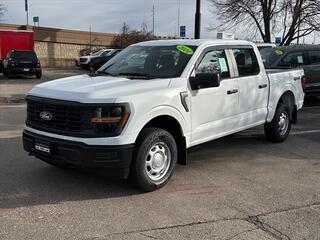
(158, 161)
(283, 123)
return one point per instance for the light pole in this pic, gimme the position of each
(179, 7)
(27, 11)
(197, 20)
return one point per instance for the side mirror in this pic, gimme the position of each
(205, 80)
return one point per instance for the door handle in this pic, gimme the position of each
(232, 91)
(263, 86)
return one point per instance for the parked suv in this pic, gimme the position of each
(305, 56)
(22, 62)
(84, 61)
(97, 61)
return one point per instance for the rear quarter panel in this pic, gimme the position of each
(281, 82)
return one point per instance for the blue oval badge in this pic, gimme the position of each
(47, 116)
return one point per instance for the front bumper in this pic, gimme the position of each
(113, 160)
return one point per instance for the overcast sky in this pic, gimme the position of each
(109, 15)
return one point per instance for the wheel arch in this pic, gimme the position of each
(173, 126)
(289, 99)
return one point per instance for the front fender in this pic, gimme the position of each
(139, 123)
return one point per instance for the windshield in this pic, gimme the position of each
(24, 55)
(270, 55)
(100, 52)
(149, 62)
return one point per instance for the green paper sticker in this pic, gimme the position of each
(279, 52)
(185, 49)
(223, 65)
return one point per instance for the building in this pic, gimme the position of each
(59, 47)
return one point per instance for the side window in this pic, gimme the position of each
(293, 59)
(247, 62)
(215, 61)
(315, 57)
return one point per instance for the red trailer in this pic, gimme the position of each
(15, 40)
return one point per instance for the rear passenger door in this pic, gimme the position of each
(253, 87)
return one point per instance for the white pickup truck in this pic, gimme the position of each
(141, 111)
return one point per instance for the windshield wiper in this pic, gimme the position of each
(135, 75)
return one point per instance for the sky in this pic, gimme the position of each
(109, 15)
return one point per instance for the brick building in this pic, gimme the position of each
(59, 47)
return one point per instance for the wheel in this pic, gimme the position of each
(154, 160)
(38, 76)
(279, 128)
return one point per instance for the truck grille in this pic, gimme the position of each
(64, 118)
(67, 118)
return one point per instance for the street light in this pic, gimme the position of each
(197, 20)
(27, 11)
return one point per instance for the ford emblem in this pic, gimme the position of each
(47, 116)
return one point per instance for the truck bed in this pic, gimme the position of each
(281, 79)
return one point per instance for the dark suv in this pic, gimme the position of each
(97, 61)
(305, 56)
(22, 62)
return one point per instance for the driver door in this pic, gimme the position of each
(214, 110)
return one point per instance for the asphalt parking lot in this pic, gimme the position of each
(239, 187)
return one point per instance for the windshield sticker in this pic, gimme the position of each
(223, 65)
(279, 52)
(185, 49)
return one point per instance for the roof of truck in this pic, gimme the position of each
(197, 42)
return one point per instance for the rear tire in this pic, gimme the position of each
(279, 128)
(38, 76)
(154, 159)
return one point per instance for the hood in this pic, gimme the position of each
(106, 89)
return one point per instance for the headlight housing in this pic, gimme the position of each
(110, 119)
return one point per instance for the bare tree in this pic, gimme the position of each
(126, 36)
(291, 18)
(300, 18)
(2, 11)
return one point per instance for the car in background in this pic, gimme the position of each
(97, 61)
(14, 39)
(84, 61)
(265, 45)
(305, 56)
(23, 62)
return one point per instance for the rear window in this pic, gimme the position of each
(24, 55)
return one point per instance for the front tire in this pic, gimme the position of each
(154, 160)
(279, 128)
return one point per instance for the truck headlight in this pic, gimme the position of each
(110, 119)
